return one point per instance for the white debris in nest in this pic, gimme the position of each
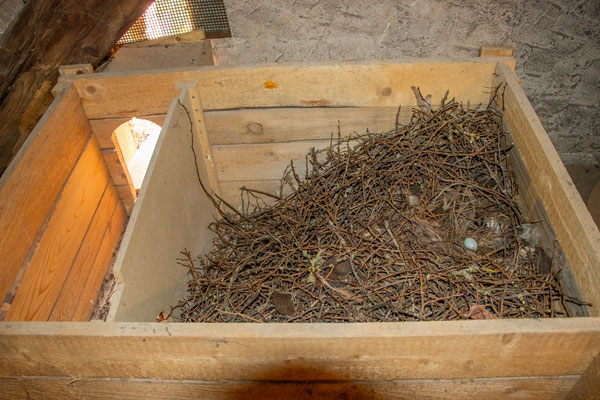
(470, 243)
(413, 200)
(493, 225)
(529, 233)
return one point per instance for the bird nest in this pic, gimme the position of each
(419, 223)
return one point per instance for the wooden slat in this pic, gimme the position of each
(193, 107)
(123, 137)
(547, 388)
(118, 171)
(127, 197)
(73, 288)
(60, 242)
(287, 124)
(574, 227)
(31, 184)
(262, 161)
(359, 84)
(170, 214)
(85, 305)
(368, 351)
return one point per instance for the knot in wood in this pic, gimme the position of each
(254, 128)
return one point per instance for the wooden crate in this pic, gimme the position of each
(244, 125)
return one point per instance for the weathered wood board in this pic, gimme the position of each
(347, 84)
(60, 242)
(301, 352)
(41, 168)
(549, 388)
(170, 215)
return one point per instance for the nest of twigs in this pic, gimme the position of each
(383, 228)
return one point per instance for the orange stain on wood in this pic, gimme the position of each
(270, 85)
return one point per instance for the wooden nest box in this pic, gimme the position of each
(65, 199)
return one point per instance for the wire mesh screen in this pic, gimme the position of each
(174, 17)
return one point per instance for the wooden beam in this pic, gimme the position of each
(300, 352)
(45, 35)
(35, 178)
(574, 227)
(358, 84)
(442, 389)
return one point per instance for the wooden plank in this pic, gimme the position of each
(75, 69)
(593, 204)
(31, 184)
(101, 389)
(288, 124)
(368, 351)
(129, 59)
(274, 125)
(73, 288)
(496, 51)
(170, 215)
(262, 161)
(127, 197)
(193, 106)
(61, 240)
(103, 129)
(588, 386)
(122, 140)
(115, 163)
(112, 235)
(359, 84)
(574, 227)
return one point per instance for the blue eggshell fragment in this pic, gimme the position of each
(470, 243)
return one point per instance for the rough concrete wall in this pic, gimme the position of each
(557, 46)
